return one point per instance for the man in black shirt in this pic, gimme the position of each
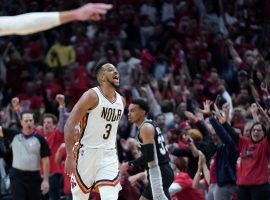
(154, 154)
(28, 148)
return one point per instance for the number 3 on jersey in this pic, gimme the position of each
(162, 148)
(108, 128)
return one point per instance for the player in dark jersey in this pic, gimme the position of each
(154, 154)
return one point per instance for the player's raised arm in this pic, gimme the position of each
(87, 101)
(39, 21)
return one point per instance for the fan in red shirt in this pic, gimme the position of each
(60, 156)
(182, 187)
(252, 164)
(53, 133)
(187, 191)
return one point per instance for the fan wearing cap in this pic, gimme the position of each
(154, 154)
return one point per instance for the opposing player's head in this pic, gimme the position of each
(137, 110)
(107, 74)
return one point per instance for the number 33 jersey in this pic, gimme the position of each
(161, 155)
(98, 128)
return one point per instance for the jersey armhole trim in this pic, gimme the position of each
(89, 109)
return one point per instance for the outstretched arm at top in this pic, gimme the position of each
(39, 21)
(87, 101)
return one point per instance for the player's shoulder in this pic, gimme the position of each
(91, 93)
(89, 98)
(147, 126)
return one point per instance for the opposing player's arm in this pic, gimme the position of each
(39, 21)
(147, 133)
(28, 23)
(87, 101)
(147, 136)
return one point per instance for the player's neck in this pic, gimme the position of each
(108, 92)
(139, 123)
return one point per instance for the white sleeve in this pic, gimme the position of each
(174, 188)
(28, 23)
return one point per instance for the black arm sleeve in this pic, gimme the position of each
(147, 156)
(44, 147)
(231, 132)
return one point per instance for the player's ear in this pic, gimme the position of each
(102, 76)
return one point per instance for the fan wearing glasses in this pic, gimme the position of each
(252, 164)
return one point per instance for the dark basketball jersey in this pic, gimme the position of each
(161, 154)
(159, 172)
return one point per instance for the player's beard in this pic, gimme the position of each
(112, 84)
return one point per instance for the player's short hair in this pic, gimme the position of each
(99, 67)
(142, 104)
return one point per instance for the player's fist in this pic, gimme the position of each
(60, 98)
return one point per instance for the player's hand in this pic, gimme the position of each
(45, 186)
(92, 11)
(69, 165)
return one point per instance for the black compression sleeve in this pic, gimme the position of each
(147, 156)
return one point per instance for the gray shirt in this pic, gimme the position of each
(27, 150)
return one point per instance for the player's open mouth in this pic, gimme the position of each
(116, 77)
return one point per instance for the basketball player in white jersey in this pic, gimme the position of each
(39, 21)
(96, 163)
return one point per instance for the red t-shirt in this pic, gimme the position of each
(252, 164)
(213, 176)
(54, 139)
(67, 186)
(188, 192)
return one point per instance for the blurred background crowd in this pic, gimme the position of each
(176, 54)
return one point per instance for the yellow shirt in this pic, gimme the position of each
(60, 55)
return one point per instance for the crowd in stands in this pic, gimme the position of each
(202, 65)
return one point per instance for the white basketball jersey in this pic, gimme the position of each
(99, 126)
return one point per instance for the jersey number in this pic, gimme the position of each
(162, 148)
(108, 128)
